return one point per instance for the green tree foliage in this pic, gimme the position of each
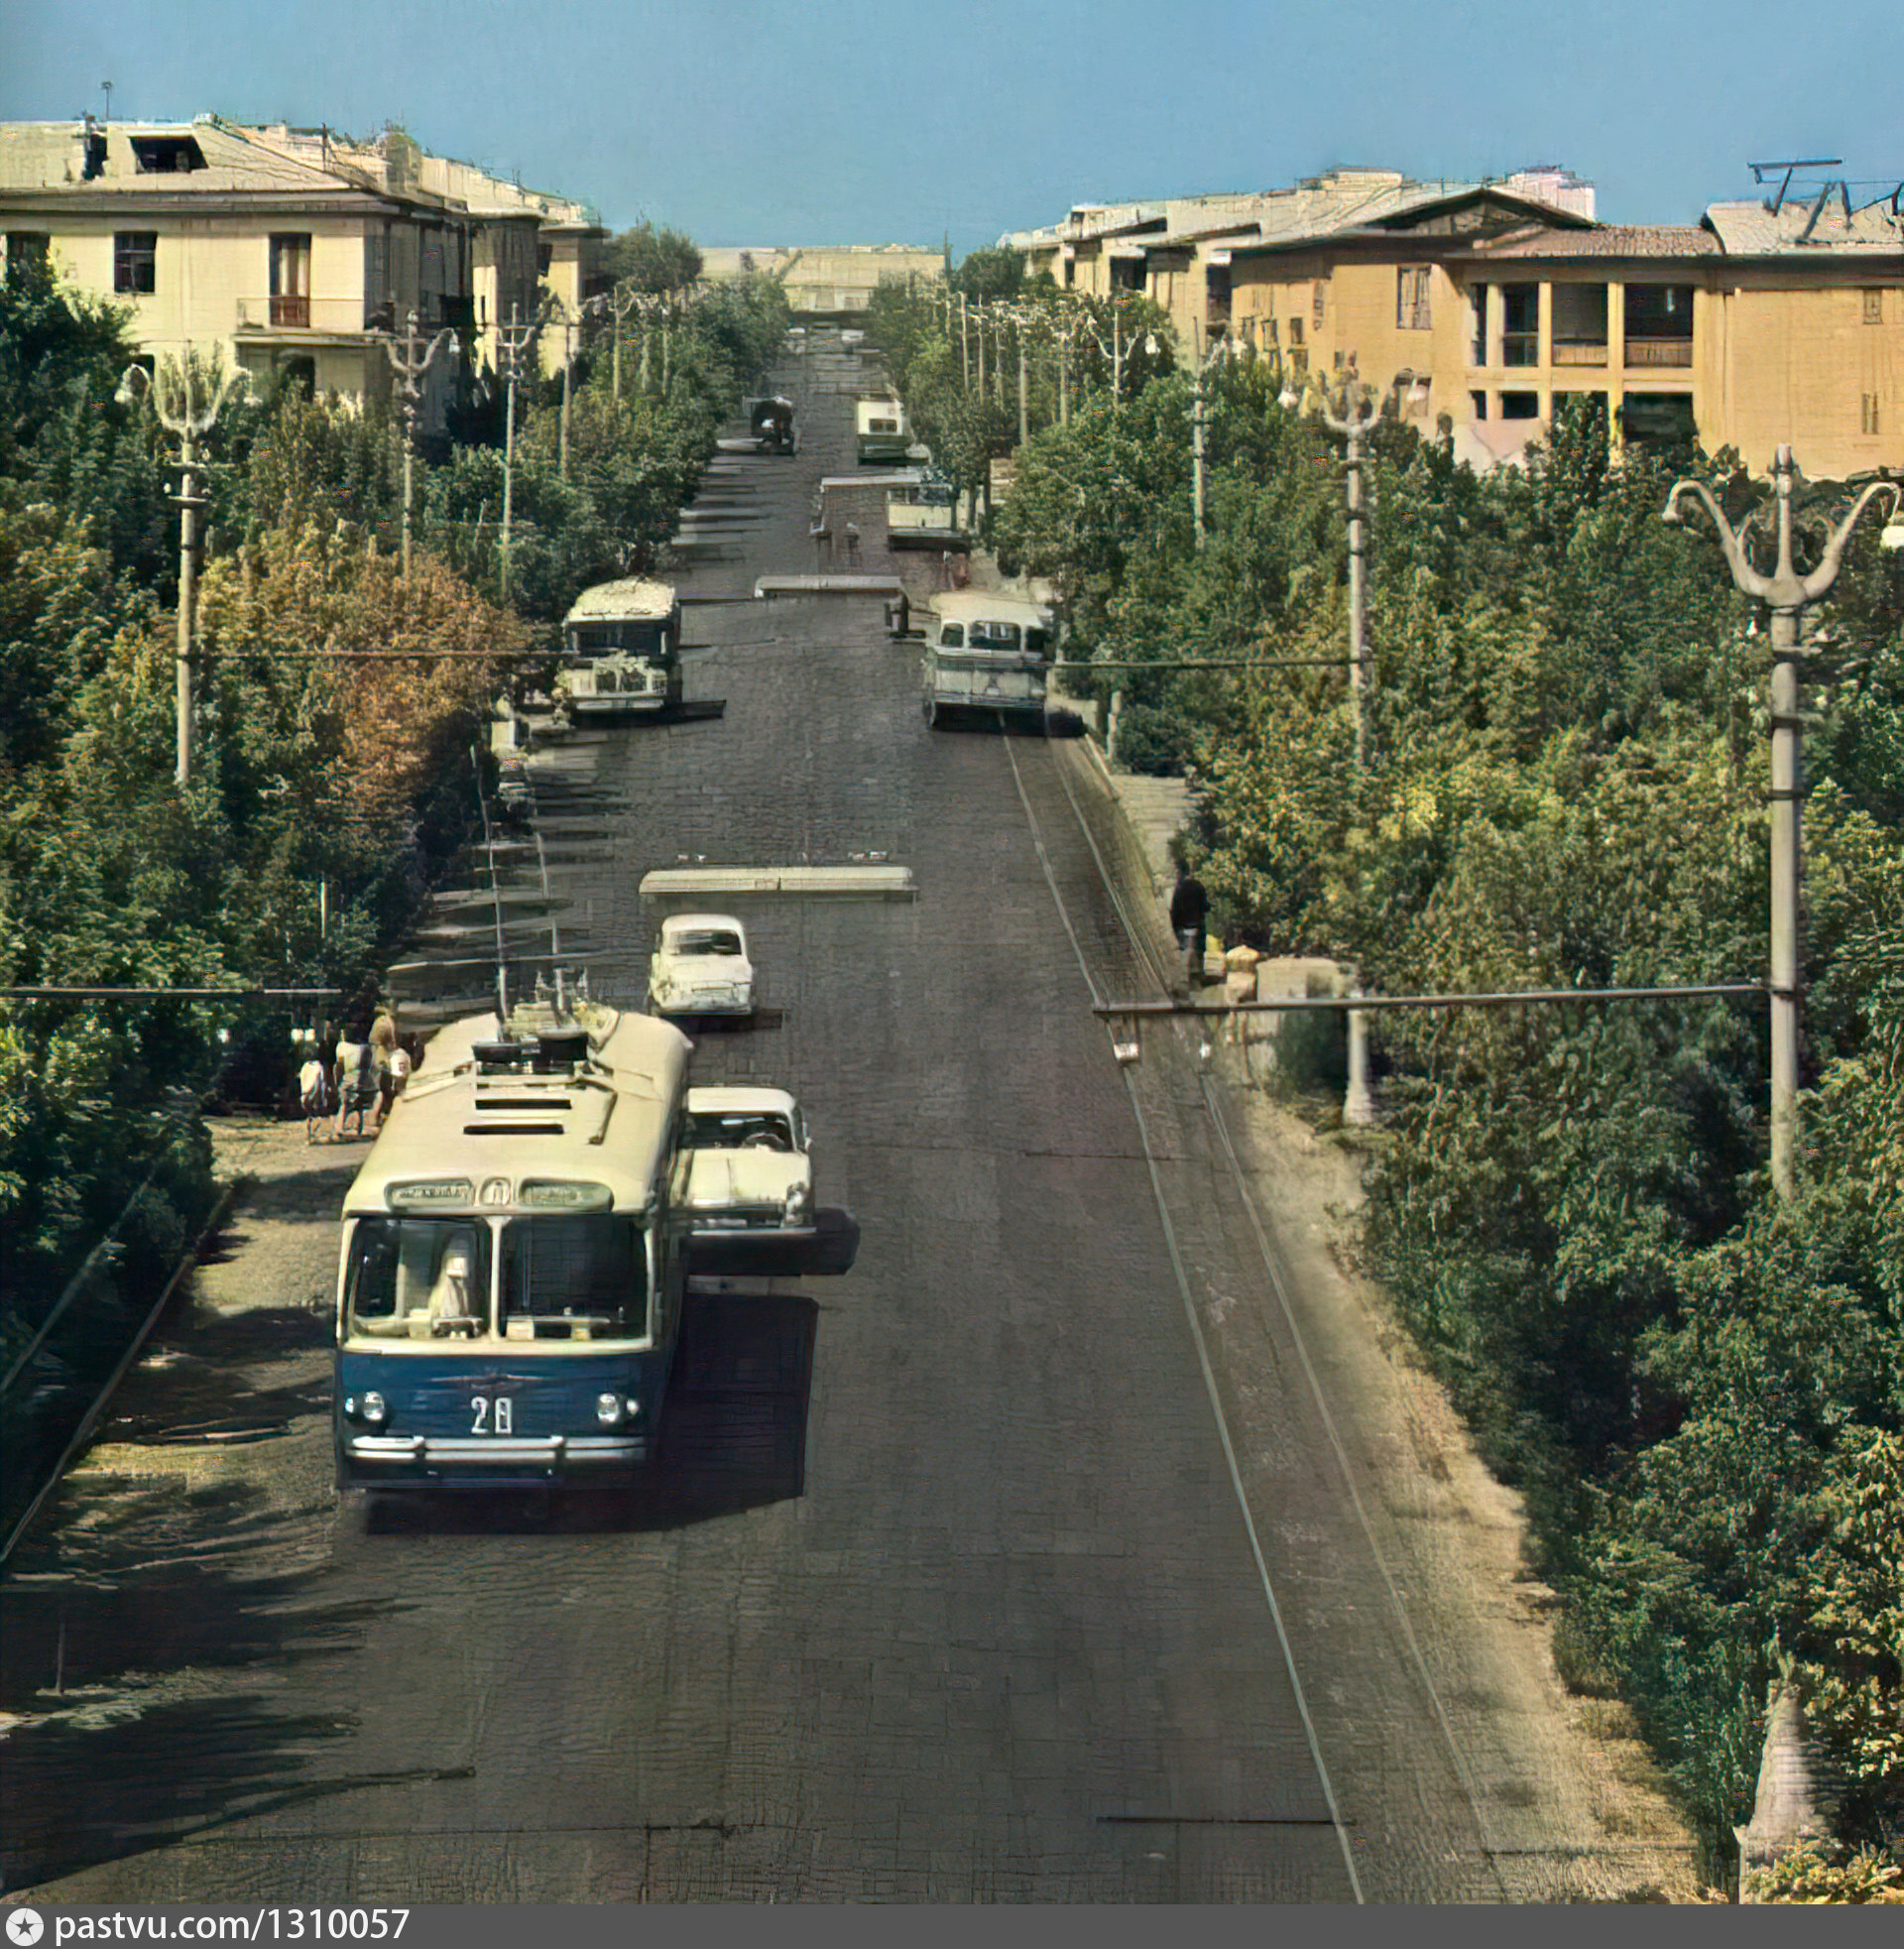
(1700, 1394)
(995, 272)
(651, 258)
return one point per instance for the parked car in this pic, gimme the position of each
(701, 967)
(750, 1168)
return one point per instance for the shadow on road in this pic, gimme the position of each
(734, 1439)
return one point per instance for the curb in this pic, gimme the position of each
(89, 1422)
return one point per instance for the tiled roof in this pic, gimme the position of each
(1609, 240)
(1752, 231)
(48, 156)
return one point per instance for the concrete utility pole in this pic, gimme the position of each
(965, 346)
(1358, 414)
(620, 305)
(554, 311)
(512, 339)
(1020, 320)
(188, 397)
(409, 366)
(1785, 593)
(1211, 356)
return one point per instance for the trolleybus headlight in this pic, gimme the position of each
(374, 1408)
(608, 1409)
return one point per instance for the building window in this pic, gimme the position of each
(135, 256)
(1411, 297)
(1874, 307)
(1480, 400)
(1295, 331)
(1519, 327)
(28, 250)
(1322, 292)
(1520, 405)
(1659, 324)
(1215, 292)
(1867, 404)
(166, 155)
(1662, 419)
(291, 279)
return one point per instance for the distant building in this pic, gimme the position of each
(291, 249)
(826, 277)
(1485, 302)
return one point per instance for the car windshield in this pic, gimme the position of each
(575, 1277)
(740, 1130)
(418, 1279)
(995, 636)
(712, 941)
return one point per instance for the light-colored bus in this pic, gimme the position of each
(514, 1256)
(622, 651)
(988, 653)
(880, 430)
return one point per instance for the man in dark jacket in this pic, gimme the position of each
(1189, 909)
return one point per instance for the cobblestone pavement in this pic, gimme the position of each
(946, 1591)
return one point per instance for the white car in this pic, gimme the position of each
(701, 967)
(750, 1169)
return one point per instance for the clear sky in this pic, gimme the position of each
(902, 121)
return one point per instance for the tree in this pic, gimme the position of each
(651, 259)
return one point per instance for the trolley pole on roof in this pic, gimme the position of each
(1785, 593)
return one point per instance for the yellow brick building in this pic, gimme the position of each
(1479, 304)
(288, 249)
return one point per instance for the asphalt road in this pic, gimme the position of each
(948, 1591)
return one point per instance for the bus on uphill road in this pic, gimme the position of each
(514, 1256)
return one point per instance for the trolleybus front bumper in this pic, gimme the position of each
(406, 1461)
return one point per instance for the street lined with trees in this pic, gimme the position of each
(1699, 1388)
(337, 699)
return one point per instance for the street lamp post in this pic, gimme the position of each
(1212, 355)
(554, 311)
(188, 398)
(1359, 412)
(1785, 593)
(409, 366)
(512, 341)
(620, 305)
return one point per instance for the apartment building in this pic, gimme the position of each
(288, 249)
(1481, 305)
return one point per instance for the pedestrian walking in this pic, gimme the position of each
(1189, 911)
(357, 1087)
(382, 1043)
(317, 1094)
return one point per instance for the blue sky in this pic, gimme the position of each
(894, 121)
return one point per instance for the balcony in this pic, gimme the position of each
(334, 317)
(1659, 351)
(1580, 351)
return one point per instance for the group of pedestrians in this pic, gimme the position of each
(346, 1080)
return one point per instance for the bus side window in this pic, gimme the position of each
(952, 635)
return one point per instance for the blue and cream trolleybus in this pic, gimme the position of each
(514, 1256)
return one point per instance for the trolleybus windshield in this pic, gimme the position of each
(576, 1276)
